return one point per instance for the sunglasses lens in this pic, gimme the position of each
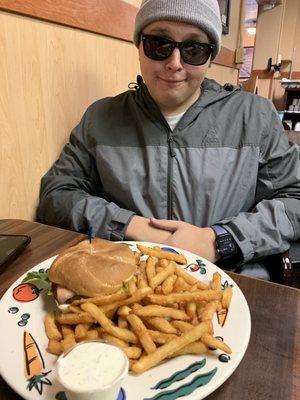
(160, 48)
(157, 48)
(194, 53)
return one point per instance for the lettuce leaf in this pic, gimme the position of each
(40, 280)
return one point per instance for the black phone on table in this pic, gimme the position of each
(10, 247)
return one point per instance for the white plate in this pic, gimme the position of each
(27, 314)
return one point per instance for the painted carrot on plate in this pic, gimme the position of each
(34, 364)
(222, 315)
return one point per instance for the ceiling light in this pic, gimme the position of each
(251, 30)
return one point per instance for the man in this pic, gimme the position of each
(180, 160)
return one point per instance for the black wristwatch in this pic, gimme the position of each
(226, 246)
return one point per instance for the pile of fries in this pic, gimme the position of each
(162, 312)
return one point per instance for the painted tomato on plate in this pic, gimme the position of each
(26, 292)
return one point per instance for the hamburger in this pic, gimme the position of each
(91, 269)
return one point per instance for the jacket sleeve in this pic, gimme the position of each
(71, 192)
(274, 221)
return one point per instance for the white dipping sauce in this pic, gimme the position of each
(91, 366)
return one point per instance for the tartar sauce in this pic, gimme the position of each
(91, 366)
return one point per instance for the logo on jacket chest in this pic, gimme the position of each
(211, 137)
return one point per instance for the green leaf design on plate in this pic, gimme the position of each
(180, 375)
(187, 389)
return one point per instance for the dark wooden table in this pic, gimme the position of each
(270, 368)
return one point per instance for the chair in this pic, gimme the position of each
(283, 267)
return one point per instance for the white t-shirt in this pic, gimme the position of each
(173, 120)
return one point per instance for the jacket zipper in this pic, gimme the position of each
(171, 155)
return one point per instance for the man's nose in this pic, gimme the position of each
(174, 62)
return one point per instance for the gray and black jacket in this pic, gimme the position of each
(227, 161)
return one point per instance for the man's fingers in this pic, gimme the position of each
(165, 224)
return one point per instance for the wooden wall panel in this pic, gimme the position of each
(226, 57)
(100, 17)
(264, 74)
(223, 74)
(113, 18)
(49, 74)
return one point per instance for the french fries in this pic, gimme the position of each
(150, 268)
(52, 331)
(203, 295)
(227, 295)
(162, 276)
(142, 333)
(132, 285)
(216, 281)
(54, 347)
(75, 318)
(210, 341)
(168, 349)
(133, 352)
(114, 340)
(81, 331)
(158, 253)
(162, 324)
(161, 313)
(160, 337)
(168, 285)
(101, 300)
(192, 348)
(107, 324)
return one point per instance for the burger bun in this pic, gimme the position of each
(93, 269)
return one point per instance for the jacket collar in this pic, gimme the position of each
(211, 92)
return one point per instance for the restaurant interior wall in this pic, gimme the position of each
(274, 39)
(277, 34)
(49, 74)
(291, 34)
(267, 36)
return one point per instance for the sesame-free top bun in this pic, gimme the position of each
(93, 269)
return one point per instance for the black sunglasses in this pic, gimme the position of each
(191, 51)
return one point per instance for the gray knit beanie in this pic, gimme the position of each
(205, 14)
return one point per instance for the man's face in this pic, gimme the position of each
(173, 84)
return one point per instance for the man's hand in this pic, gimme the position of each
(200, 241)
(139, 228)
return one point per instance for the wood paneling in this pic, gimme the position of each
(222, 74)
(49, 75)
(226, 57)
(264, 74)
(113, 18)
(99, 16)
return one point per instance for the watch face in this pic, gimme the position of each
(226, 246)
